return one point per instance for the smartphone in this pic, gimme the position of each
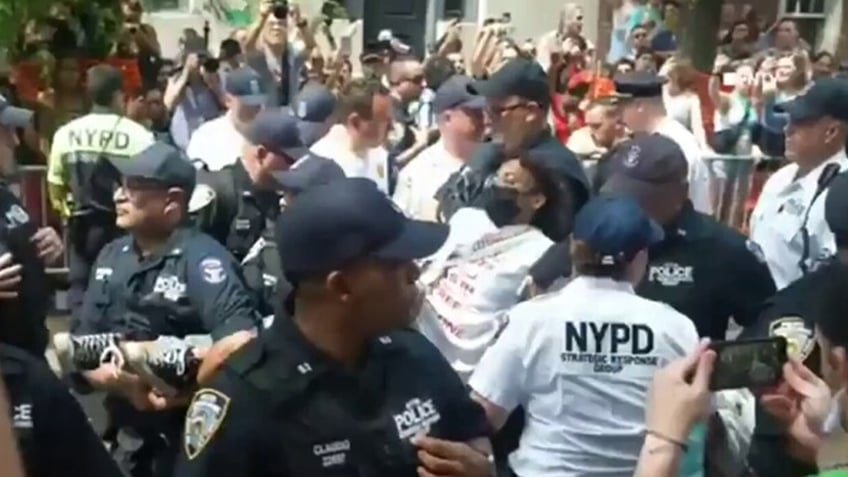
(506, 17)
(729, 79)
(748, 363)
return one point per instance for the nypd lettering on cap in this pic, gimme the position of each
(302, 109)
(213, 270)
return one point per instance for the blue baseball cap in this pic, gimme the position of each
(331, 226)
(313, 107)
(245, 84)
(520, 77)
(457, 92)
(160, 162)
(616, 228)
(644, 165)
(276, 130)
(13, 117)
(308, 172)
(826, 97)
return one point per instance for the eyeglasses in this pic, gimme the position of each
(498, 111)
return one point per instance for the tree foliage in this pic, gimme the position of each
(699, 36)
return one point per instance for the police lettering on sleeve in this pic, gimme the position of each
(53, 433)
(580, 359)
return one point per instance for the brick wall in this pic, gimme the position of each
(766, 8)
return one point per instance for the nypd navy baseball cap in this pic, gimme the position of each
(313, 107)
(826, 97)
(245, 84)
(332, 226)
(276, 130)
(520, 77)
(160, 163)
(457, 92)
(644, 165)
(14, 117)
(615, 228)
(308, 172)
(638, 84)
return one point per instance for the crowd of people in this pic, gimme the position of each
(505, 258)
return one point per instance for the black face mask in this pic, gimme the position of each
(499, 204)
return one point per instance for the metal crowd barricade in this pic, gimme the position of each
(31, 189)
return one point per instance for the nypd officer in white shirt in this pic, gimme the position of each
(788, 222)
(459, 117)
(642, 111)
(580, 360)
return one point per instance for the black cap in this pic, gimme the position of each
(638, 84)
(645, 164)
(245, 84)
(162, 163)
(331, 226)
(277, 131)
(313, 107)
(13, 117)
(836, 208)
(518, 77)
(308, 172)
(457, 92)
(826, 97)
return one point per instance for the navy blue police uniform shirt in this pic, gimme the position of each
(23, 323)
(708, 272)
(52, 431)
(279, 407)
(193, 287)
(792, 314)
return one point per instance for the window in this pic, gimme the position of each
(454, 9)
(804, 8)
(165, 5)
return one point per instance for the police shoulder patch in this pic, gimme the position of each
(800, 340)
(205, 415)
(212, 270)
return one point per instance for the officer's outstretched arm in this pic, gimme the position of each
(225, 433)
(216, 287)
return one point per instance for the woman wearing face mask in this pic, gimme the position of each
(482, 270)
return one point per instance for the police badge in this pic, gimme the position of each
(799, 338)
(204, 417)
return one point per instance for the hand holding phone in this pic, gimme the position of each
(748, 363)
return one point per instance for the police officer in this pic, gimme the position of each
(606, 341)
(24, 249)
(261, 267)
(341, 388)
(518, 101)
(640, 97)
(792, 314)
(164, 278)
(80, 176)
(702, 268)
(53, 433)
(788, 221)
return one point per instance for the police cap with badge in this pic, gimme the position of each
(638, 84)
(313, 106)
(246, 86)
(160, 164)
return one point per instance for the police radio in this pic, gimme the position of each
(825, 178)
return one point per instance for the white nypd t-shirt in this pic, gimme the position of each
(470, 287)
(580, 361)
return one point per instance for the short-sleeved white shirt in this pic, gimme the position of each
(778, 218)
(580, 361)
(217, 143)
(700, 181)
(466, 300)
(373, 165)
